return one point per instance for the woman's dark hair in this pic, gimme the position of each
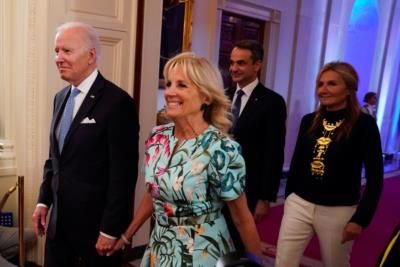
(352, 109)
(368, 96)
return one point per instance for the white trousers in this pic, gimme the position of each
(301, 220)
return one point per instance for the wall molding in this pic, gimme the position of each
(250, 9)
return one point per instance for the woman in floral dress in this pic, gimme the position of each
(192, 169)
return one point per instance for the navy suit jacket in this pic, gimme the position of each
(90, 184)
(260, 130)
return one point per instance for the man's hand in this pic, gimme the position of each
(39, 220)
(104, 245)
(350, 232)
(261, 211)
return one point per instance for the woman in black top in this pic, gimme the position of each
(324, 185)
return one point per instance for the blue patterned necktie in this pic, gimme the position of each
(67, 117)
(236, 106)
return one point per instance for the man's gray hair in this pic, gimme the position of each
(92, 38)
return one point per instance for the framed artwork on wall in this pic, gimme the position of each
(176, 31)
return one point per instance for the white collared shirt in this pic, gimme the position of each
(247, 90)
(84, 88)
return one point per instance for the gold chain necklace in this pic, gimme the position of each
(321, 147)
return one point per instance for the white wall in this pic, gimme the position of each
(148, 96)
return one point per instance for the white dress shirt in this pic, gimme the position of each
(247, 90)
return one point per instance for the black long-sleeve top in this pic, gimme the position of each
(340, 183)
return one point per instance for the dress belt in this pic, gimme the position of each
(165, 221)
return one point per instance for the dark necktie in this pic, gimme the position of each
(67, 117)
(236, 106)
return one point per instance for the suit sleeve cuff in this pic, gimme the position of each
(108, 236)
(42, 205)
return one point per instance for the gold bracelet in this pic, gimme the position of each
(125, 239)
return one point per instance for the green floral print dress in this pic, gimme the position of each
(189, 188)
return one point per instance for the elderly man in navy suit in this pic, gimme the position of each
(259, 126)
(91, 172)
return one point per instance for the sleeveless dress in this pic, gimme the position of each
(188, 189)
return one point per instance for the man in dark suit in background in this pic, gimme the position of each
(91, 173)
(259, 118)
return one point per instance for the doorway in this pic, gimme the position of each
(235, 27)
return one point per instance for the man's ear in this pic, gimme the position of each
(92, 55)
(257, 65)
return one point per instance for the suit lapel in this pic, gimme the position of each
(87, 105)
(251, 104)
(58, 110)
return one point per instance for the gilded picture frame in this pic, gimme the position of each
(187, 26)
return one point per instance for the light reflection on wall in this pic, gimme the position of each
(394, 137)
(361, 41)
(368, 52)
(389, 106)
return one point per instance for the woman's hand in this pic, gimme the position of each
(350, 232)
(261, 210)
(120, 244)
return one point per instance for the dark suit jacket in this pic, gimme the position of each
(90, 184)
(260, 130)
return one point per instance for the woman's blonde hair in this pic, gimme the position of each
(207, 78)
(352, 109)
